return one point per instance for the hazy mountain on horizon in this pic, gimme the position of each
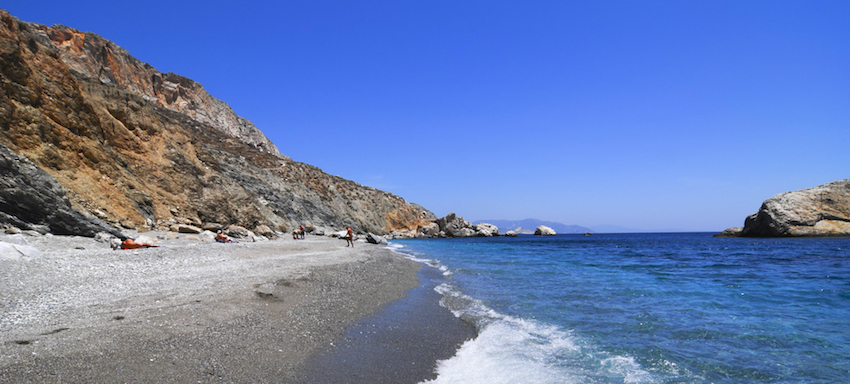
(528, 226)
(614, 229)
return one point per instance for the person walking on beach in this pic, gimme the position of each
(349, 238)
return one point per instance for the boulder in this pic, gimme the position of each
(103, 237)
(13, 231)
(18, 239)
(207, 236)
(543, 230)
(403, 234)
(822, 211)
(455, 226)
(10, 251)
(212, 227)
(427, 230)
(375, 239)
(486, 230)
(186, 228)
(238, 231)
(265, 231)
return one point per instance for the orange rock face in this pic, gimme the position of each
(150, 149)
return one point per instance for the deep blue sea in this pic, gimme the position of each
(645, 308)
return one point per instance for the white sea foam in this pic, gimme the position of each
(514, 350)
(507, 352)
(394, 246)
(627, 368)
(398, 248)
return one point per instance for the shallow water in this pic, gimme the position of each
(646, 308)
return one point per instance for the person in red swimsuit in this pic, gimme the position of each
(133, 244)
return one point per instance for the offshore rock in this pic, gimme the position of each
(543, 230)
(511, 234)
(822, 211)
(731, 232)
(486, 230)
(144, 149)
(453, 225)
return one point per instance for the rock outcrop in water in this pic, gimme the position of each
(822, 211)
(142, 149)
(450, 225)
(543, 230)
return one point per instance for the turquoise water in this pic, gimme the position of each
(646, 308)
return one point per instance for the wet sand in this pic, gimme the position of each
(190, 312)
(396, 345)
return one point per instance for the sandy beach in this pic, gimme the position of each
(72, 310)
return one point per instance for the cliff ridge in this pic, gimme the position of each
(140, 149)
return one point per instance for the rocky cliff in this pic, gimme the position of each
(450, 225)
(821, 211)
(141, 149)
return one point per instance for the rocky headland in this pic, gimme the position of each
(109, 143)
(450, 225)
(822, 211)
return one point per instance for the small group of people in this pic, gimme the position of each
(298, 233)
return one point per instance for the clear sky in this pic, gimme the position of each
(681, 115)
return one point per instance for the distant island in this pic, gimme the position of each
(527, 226)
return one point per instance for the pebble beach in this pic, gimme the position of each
(73, 310)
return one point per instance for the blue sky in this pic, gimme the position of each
(654, 115)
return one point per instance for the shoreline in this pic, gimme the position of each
(401, 343)
(187, 311)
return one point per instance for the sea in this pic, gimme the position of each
(644, 308)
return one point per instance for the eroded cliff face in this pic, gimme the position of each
(142, 149)
(94, 57)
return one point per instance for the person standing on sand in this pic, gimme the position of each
(349, 238)
(301, 228)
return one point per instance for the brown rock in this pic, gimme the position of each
(212, 227)
(239, 231)
(185, 228)
(264, 230)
